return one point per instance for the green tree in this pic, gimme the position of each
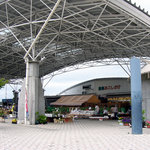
(3, 82)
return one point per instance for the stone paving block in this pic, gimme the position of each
(79, 135)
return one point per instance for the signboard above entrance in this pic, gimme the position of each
(110, 87)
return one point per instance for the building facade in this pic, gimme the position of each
(102, 87)
(115, 89)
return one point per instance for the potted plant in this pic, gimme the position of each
(120, 120)
(14, 121)
(143, 118)
(148, 124)
(61, 120)
(2, 115)
(126, 121)
(2, 118)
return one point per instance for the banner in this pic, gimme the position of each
(26, 104)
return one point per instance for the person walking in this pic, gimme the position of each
(96, 110)
(115, 111)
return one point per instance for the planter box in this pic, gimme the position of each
(58, 121)
(126, 124)
(67, 120)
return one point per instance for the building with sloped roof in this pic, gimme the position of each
(76, 100)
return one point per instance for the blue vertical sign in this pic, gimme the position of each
(136, 96)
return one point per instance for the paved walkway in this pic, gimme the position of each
(79, 135)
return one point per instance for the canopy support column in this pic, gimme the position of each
(31, 99)
(136, 96)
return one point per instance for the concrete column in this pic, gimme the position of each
(136, 96)
(33, 90)
(35, 95)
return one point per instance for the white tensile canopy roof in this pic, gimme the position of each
(62, 33)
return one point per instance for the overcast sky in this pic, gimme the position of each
(65, 80)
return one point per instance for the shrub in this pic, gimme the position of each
(143, 112)
(41, 119)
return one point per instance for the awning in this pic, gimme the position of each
(76, 100)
